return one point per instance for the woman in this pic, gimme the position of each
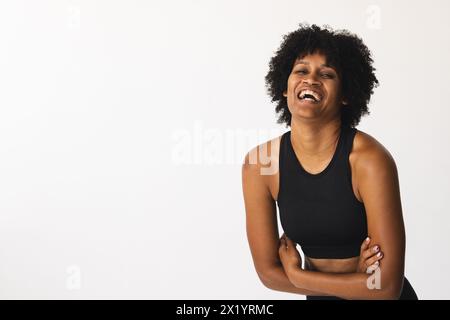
(336, 187)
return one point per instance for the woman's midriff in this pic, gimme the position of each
(332, 265)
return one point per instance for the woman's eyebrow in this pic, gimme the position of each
(302, 62)
(326, 65)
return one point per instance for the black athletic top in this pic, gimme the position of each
(320, 211)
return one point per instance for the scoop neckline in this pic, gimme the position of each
(330, 164)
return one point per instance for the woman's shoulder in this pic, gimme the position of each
(264, 154)
(261, 166)
(369, 153)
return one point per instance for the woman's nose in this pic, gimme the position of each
(310, 81)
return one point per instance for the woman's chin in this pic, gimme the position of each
(306, 110)
(308, 103)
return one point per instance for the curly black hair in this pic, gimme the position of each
(344, 51)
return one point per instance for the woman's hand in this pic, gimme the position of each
(369, 256)
(289, 256)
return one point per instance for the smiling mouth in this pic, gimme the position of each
(309, 95)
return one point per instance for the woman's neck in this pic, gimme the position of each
(312, 139)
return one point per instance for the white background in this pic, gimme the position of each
(98, 99)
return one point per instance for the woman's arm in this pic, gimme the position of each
(378, 186)
(261, 221)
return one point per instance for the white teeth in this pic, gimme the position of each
(316, 96)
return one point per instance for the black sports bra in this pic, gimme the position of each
(320, 211)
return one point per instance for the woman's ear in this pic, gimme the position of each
(285, 93)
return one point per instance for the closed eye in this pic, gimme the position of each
(327, 76)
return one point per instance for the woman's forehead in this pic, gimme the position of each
(314, 58)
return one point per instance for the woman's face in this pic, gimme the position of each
(313, 89)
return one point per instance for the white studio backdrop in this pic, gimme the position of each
(123, 125)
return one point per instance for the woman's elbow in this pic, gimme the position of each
(393, 291)
(269, 276)
(266, 278)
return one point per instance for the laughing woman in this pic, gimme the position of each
(336, 187)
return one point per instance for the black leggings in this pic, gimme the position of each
(408, 293)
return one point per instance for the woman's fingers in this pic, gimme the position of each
(370, 256)
(374, 259)
(290, 243)
(281, 248)
(369, 252)
(364, 245)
